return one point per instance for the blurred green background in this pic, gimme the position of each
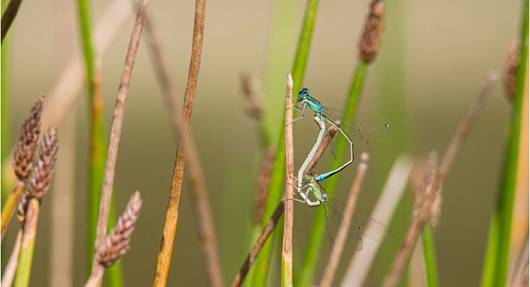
(433, 61)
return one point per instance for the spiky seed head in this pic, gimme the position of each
(27, 141)
(117, 242)
(370, 41)
(40, 179)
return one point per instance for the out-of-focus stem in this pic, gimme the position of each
(29, 234)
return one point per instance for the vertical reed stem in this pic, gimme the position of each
(429, 254)
(29, 232)
(171, 220)
(260, 272)
(340, 239)
(287, 249)
(115, 133)
(496, 266)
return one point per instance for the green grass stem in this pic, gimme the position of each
(429, 254)
(5, 131)
(98, 141)
(306, 274)
(259, 272)
(28, 244)
(497, 254)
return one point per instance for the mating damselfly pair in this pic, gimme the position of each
(308, 185)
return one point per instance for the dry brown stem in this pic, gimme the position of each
(11, 268)
(432, 189)
(519, 271)
(9, 16)
(117, 121)
(421, 216)
(9, 206)
(340, 239)
(202, 207)
(287, 246)
(171, 218)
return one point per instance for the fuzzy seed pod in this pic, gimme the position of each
(40, 178)
(117, 242)
(370, 41)
(27, 141)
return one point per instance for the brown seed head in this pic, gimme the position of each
(252, 96)
(40, 178)
(425, 195)
(370, 41)
(27, 141)
(117, 242)
(510, 70)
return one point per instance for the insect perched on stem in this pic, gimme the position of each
(305, 101)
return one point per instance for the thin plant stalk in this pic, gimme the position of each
(171, 219)
(4, 116)
(29, 234)
(287, 246)
(360, 264)
(10, 206)
(519, 269)
(429, 255)
(117, 121)
(369, 45)
(8, 276)
(9, 15)
(433, 189)
(199, 191)
(496, 266)
(97, 137)
(342, 234)
(260, 272)
(258, 244)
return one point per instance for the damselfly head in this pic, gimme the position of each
(303, 94)
(324, 198)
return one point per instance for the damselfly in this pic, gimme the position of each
(305, 101)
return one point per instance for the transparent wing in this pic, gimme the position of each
(359, 129)
(334, 217)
